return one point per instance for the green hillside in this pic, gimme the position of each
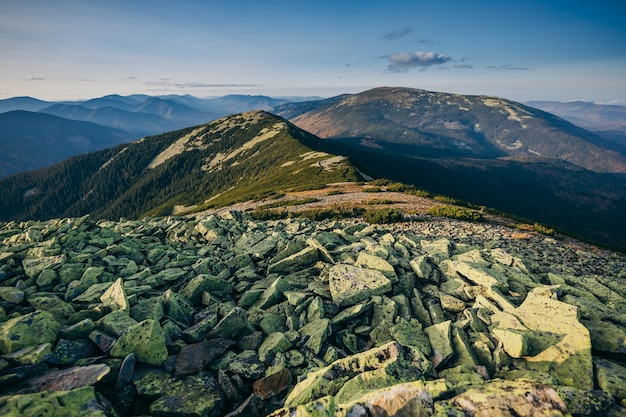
(240, 157)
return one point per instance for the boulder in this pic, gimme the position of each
(81, 402)
(391, 363)
(561, 344)
(115, 297)
(146, 340)
(440, 337)
(611, 377)
(350, 284)
(377, 263)
(510, 398)
(186, 396)
(28, 330)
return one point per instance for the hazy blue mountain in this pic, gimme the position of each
(137, 124)
(175, 111)
(236, 103)
(31, 140)
(586, 114)
(22, 103)
(113, 100)
(607, 121)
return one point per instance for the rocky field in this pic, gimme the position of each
(225, 316)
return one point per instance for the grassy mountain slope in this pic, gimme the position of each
(31, 140)
(239, 157)
(443, 125)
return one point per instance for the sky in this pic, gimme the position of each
(522, 50)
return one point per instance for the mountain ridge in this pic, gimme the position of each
(240, 156)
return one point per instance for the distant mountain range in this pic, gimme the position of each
(131, 117)
(608, 121)
(31, 140)
(485, 150)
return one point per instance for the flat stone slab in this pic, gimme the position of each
(351, 284)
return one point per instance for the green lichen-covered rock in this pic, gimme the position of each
(500, 398)
(177, 307)
(31, 329)
(148, 308)
(350, 284)
(11, 295)
(585, 402)
(116, 322)
(301, 260)
(192, 395)
(514, 341)
(200, 283)
(315, 334)
(230, 324)
(377, 263)
(611, 377)
(146, 340)
(606, 336)
(30, 355)
(247, 364)
(562, 343)
(415, 399)
(33, 267)
(478, 274)
(440, 337)
(272, 294)
(421, 266)
(273, 344)
(80, 402)
(78, 330)
(53, 305)
(410, 333)
(392, 363)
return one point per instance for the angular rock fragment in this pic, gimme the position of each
(377, 263)
(611, 377)
(78, 402)
(195, 357)
(28, 330)
(392, 363)
(511, 398)
(440, 337)
(187, 396)
(146, 340)
(230, 324)
(272, 385)
(115, 297)
(350, 285)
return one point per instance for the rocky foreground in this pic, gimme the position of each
(223, 315)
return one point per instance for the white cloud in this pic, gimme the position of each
(403, 61)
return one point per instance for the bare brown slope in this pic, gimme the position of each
(434, 124)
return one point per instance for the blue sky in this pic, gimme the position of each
(530, 50)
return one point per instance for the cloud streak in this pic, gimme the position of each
(397, 34)
(404, 61)
(168, 83)
(508, 68)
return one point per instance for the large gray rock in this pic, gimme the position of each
(29, 330)
(350, 284)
